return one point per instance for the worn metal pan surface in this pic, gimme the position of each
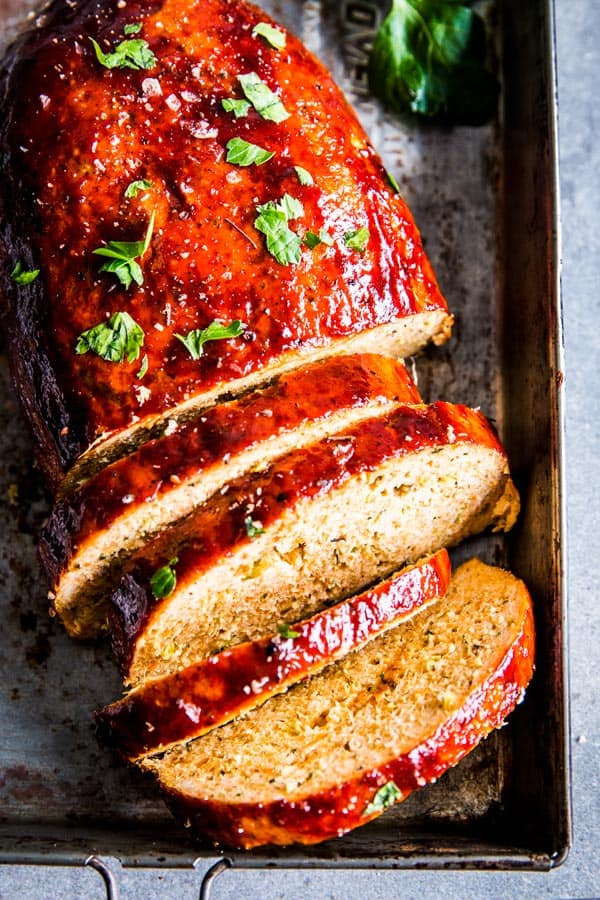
(486, 201)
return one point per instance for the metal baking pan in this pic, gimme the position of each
(486, 202)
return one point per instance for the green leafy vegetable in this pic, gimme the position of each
(164, 580)
(287, 632)
(195, 340)
(304, 176)
(143, 367)
(273, 36)
(357, 240)
(265, 102)
(313, 240)
(133, 28)
(242, 153)
(394, 184)
(129, 54)
(123, 255)
(429, 58)
(253, 527)
(238, 107)
(385, 797)
(133, 189)
(272, 221)
(21, 276)
(119, 338)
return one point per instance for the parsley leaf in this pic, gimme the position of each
(195, 340)
(385, 797)
(143, 367)
(133, 28)
(129, 54)
(253, 527)
(242, 153)
(238, 107)
(164, 580)
(272, 221)
(115, 340)
(132, 189)
(393, 183)
(304, 176)
(21, 276)
(123, 256)
(428, 57)
(313, 240)
(265, 102)
(357, 240)
(273, 36)
(287, 632)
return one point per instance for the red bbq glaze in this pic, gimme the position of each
(337, 810)
(167, 464)
(219, 527)
(200, 697)
(76, 134)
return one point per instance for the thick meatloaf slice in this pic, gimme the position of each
(97, 155)
(335, 751)
(93, 531)
(194, 700)
(313, 527)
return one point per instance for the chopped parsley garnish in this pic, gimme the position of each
(287, 632)
(195, 340)
(393, 182)
(133, 28)
(272, 221)
(242, 153)
(143, 367)
(123, 255)
(129, 54)
(273, 36)
(385, 797)
(135, 187)
(21, 276)
(164, 580)
(265, 102)
(119, 338)
(253, 527)
(238, 107)
(357, 240)
(313, 240)
(304, 177)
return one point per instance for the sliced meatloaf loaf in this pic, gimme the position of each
(311, 528)
(192, 701)
(335, 751)
(93, 531)
(204, 210)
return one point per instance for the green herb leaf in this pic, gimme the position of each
(195, 340)
(133, 28)
(164, 580)
(429, 58)
(21, 276)
(385, 797)
(393, 183)
(313, 240)
(287, 632)
(357, 240)
(129, 54)
(273, 36)
(304, 177)
(265, 102)
(133, 189)
(242, 153)
(119, 338)
(253, 527)
(123, 255)
(238, 107)
(272, 221)
(144, 367)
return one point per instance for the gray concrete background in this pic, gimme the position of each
(578, 26)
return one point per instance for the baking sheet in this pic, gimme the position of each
(485, 200)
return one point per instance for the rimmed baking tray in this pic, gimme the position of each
(486, 201)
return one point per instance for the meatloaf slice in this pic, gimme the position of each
(335, 751)
(104, 156)
(92, 532)
(192, 701)
(309, 529)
